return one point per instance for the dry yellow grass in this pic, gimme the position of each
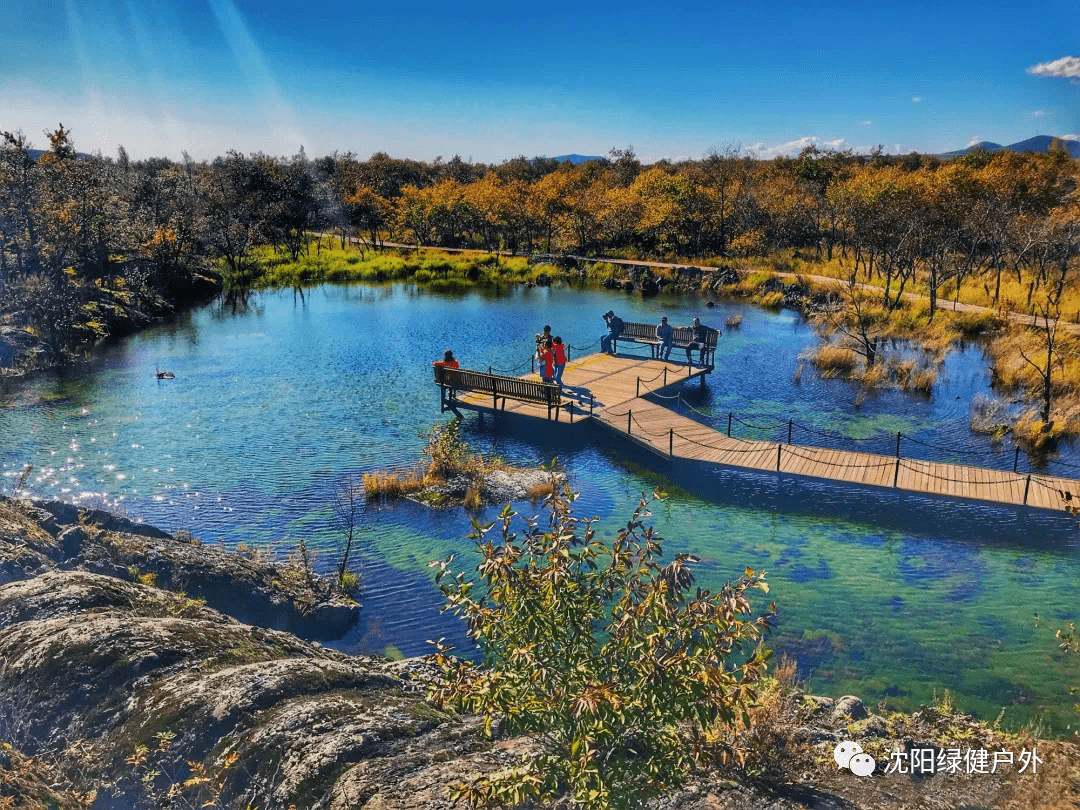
(395, 484)
(538, 492)
(834, 361)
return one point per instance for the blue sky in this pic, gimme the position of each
(491, 80)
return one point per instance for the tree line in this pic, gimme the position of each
(82, 235)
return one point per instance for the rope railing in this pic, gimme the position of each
(891, 437)
(789, 451)
(754, 427)
(584, 348)
(903, 462)
(510, 370)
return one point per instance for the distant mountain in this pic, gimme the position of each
(1040, 143)
(575, 159)
(36, 153)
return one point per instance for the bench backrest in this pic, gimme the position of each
(499, 385)
(638, 331)
(685, 335)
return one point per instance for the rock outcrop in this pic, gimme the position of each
(41, 536)
(115, 681)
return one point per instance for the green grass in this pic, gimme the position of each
(424, 267)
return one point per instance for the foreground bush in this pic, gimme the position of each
(609, 659)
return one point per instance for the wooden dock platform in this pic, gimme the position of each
(610, 390)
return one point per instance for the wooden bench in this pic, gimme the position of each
(681, 337)
(636, 333)
(452, 380)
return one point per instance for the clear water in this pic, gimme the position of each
(885, 595)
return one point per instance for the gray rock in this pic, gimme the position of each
(252, 589)
(875, 726)
(851, 707)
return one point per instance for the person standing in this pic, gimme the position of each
(547, 360)
(559, 351)
(541, 341)
(700, 341)
(615, 327)
(664, 335)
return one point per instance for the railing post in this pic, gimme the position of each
(779, 447)
(1016, 459)
(629, 416)
(671, 442)
(590, 403)
(489, 369)
(790, 422)
(729, 424)
(898, 444)
(532, 364)
(665, 375)
(637, 393)
(896, 475)
(1027, 486)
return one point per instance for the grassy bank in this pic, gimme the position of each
(424, 266)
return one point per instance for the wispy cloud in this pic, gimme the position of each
(916, 99)
(1074, 137)
(867, 122)
(1039, 113)
(792, 148)
(1067, 67)
(975, 139)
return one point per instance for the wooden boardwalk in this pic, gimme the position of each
(612, 388)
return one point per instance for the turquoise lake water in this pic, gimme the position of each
(885, 595)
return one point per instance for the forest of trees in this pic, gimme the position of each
(81, 236)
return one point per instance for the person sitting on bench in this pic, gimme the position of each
(700, 341)
(615, 327)
(664, 335)
(448, 360)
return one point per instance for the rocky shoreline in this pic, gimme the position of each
(116, 694)
(38, 537)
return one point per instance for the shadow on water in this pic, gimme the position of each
(961, 520)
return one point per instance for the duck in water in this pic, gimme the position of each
(164, 375)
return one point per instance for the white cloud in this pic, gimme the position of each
(975, 139)
(1039, 113)
(867, 122)
(916, 99)
(1067, 67)
(1074, 137)
(792, 148)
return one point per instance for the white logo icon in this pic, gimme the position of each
(850, 755)
(862, 764)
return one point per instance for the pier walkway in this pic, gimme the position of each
(610, 391)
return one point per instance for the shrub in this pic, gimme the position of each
(621, 714)
(446, 450)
